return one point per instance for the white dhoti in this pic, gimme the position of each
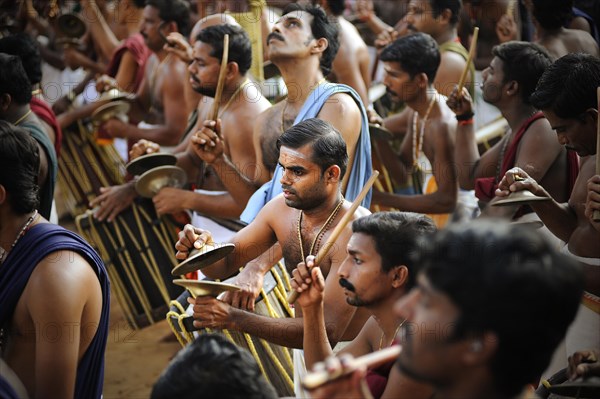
(584, 332)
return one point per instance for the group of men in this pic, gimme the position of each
(291, 170)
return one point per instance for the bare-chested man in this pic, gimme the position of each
(314, 159)
(351, 64)
(427, 151)
(508, 82)
(54, 300)
(549, 17)
(566, 94)
(159, 102)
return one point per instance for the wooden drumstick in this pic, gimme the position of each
(510, 8)
(463, 77)
(339, 228)
(318, 378)
(221, 82)
(596, 214)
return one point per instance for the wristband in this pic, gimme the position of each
(465, 117)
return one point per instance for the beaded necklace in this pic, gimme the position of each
(235, 93)
(24, 229)
(317, 240)
(395, 333)
(417, 146)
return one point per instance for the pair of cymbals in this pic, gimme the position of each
(520, 198)
(586, 388)
(199, 259)
(114, 95)
(147, 162)
(115, 109)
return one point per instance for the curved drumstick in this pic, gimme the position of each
(339, 228)
(472, 48)
(221, 82)
(318, 378)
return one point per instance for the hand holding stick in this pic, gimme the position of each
(339, 228)
(472, 48)
(318, 378)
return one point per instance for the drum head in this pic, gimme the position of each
(519, 198)
(71, 25)
(203, 257)
(144, 163)
(379, 132)
(205, 288)
(152, 181)
(109, 111)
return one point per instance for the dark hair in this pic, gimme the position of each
(568, 87)
(321, 27)
(524, 63)
(177, 11)
(337, 7)
(212, 367)
(509, 281)
(397, 238)
(13, 79)
(240, 50)
(19, 168)
(416, 53)
(552, 14)
(438, 7)
(139, 3)
(328, 145)
(24, 47)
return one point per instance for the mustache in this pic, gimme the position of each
(274, 35)
(347, 284)
(391, 93)
(411, 28)
(569, 148)
(288, 188)
(195, 79)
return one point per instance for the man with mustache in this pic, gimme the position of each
(158, 101)
(427, 150)
(378, 270)
(491, 303)
(566, 94)
(314, 159)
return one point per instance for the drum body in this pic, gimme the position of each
(84, 166)
(137, 249)
(274, 361)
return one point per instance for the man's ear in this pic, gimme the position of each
(592, 113)
(2, 194)
(232, 70)
(422, 80)
(332, 174)
(171, 26)
(5, 101)
(399, 275)
(320, 45)
(445, 16)
(512, 87)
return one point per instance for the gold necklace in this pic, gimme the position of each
(418, 143)
(320, 82)
(317, 240)
(395, 333)
(235, 93)
(21, 119)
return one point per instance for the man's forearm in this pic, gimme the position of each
(316, 342)
(558, 218)
(237, 184)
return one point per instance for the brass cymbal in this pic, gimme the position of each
(114, 94)
(203, 257)
(71, 25)
(533, 224)
(520, 197)
(115, 109)
(205, 288)
(152, 181)
(586, 388)
(144, 163)
(379, 132)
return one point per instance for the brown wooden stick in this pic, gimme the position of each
(318, 378)
(221, 82)
(463, 77)
(596, 214)
(510, 8)
(339, 228)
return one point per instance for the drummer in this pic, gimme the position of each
(314, 160)
(378, 270)
(566, 94)
(491, 303)
(508, 83)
